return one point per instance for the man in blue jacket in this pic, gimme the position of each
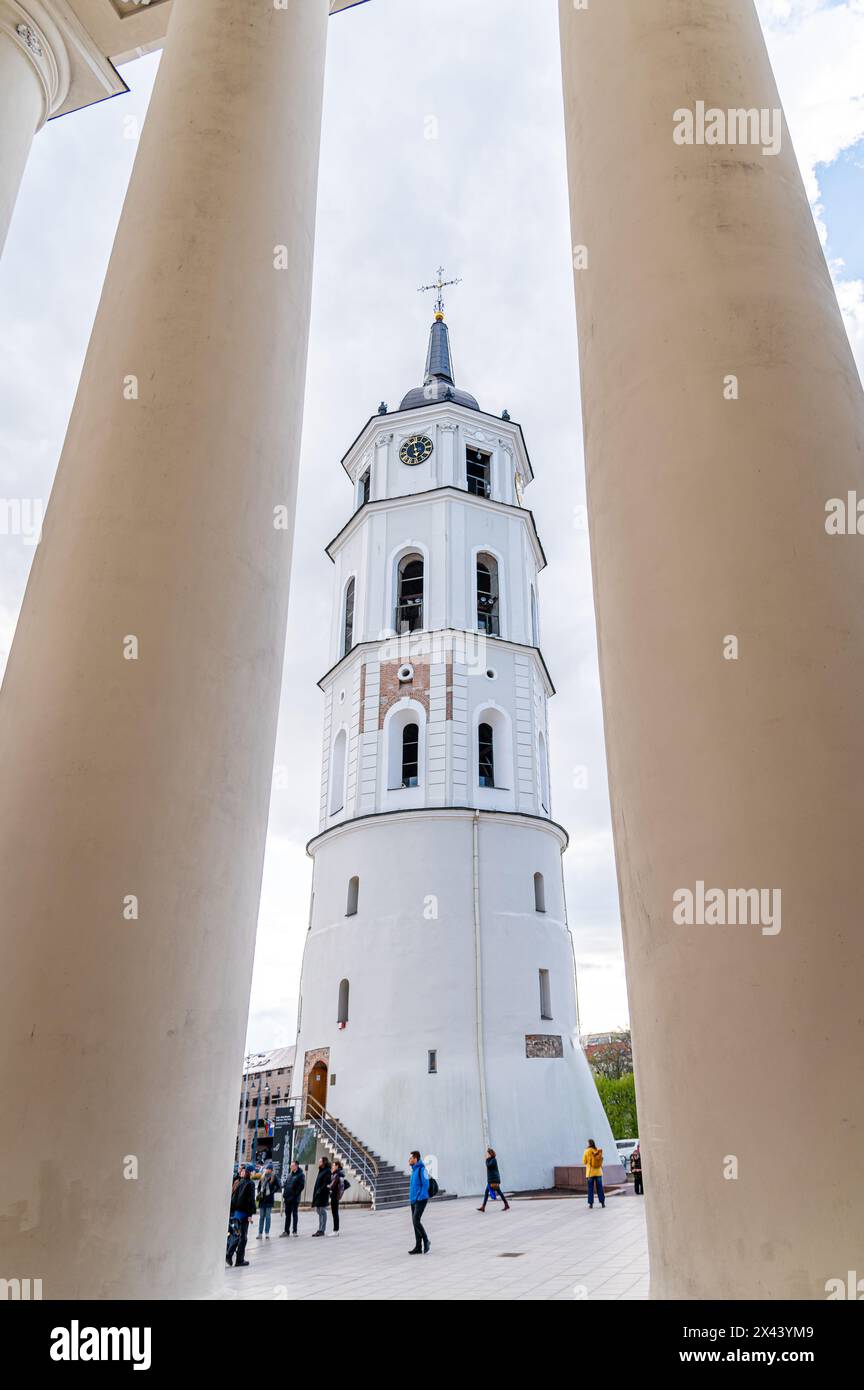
(419, 1194)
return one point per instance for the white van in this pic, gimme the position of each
(625, 1148)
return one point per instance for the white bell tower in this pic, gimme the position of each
(438, 1004)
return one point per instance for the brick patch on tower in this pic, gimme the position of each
(543, 1045)
(393, 690)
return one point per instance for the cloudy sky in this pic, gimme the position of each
(443, 141)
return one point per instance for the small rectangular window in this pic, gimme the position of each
(478, 472)
(365, 488)
(433, 1062)
(545, 995)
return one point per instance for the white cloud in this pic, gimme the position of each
(817, 52)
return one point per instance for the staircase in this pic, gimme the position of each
(387, 1186)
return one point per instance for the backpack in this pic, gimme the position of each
(433, 1186)
(233, 1240)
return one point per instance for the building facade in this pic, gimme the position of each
(266, 1086)
(438, 1006)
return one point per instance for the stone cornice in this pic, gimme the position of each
(442, 813)
(435, 494)
(434, 637)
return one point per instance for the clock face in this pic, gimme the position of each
(416, 449)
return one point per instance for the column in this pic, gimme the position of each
(34, 78)
(140, 701)
(722, 412)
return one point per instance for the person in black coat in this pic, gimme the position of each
(321, 1195)
(337, 1189)
(292, 1190)
(242, 1209)
(493, 1182)
(636, 1170)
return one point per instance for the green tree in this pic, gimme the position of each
(612, 1057)
(619, 1101)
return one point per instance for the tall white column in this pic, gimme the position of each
(138, 713)
(34, 78)
(738, 768)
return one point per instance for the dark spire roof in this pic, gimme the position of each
(439, 383)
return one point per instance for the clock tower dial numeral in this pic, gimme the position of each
(416, 449)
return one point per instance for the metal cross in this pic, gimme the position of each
(439, 285)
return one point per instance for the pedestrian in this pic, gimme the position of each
(268, 1186)
(636, 1170)
(337, 1188)
(292, 1189)
(419, 1196)
(321, 1195)
(493, 1182)
(242, 1209)
(593, 1160)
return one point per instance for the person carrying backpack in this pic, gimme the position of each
(493, 1182)
(241, 1210)
(422, 1188)
(593, 1160)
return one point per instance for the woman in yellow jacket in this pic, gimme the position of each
(593, 1160)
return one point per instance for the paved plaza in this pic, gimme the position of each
(551, 1248)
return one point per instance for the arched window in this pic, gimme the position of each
(411, 755)
(486, 755)
(409, 594)
(488, 618)
(343, 1003)
(404, 739)
(493, 742)
(544, 772)
(337, 772)
(353, 896)
(348, 626)
(539, 893)
(535, 627)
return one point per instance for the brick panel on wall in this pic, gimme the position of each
(393, 690)
(543, 1045)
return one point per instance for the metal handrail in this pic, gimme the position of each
(348, 1148)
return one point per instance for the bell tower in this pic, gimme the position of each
(438, 984)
